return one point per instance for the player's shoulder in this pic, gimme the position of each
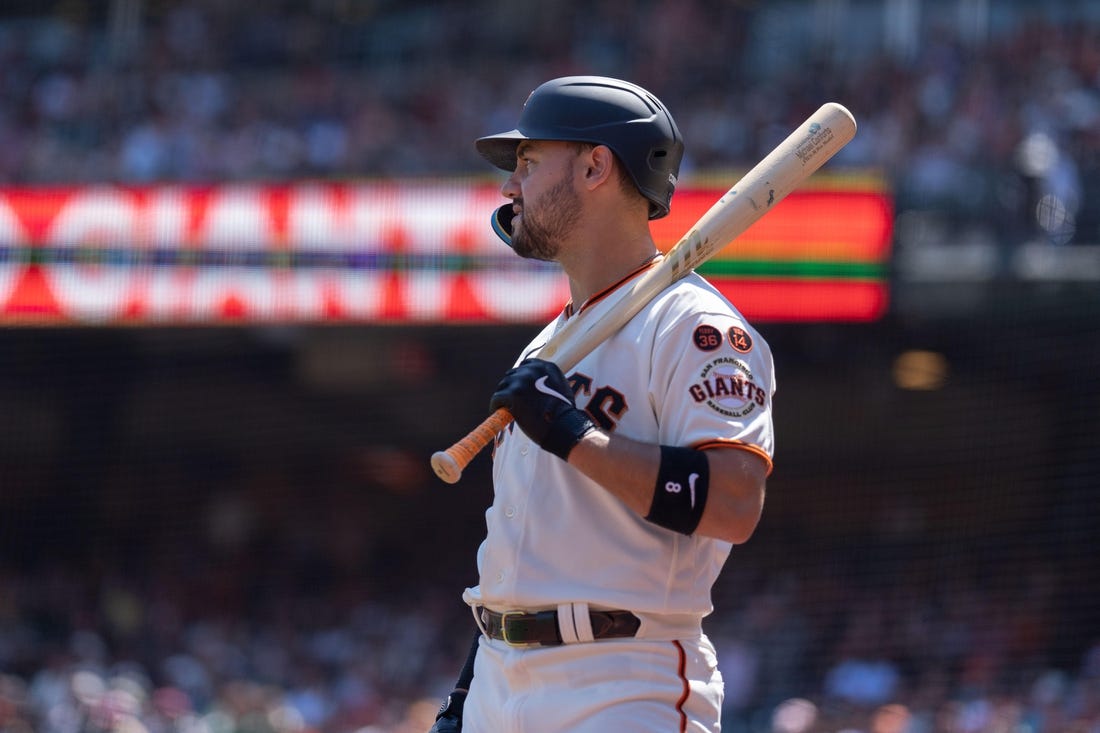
(692, 296)
(693, 307)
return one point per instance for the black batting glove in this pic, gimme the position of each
(541, 401)
(449, 717)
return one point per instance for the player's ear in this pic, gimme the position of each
(599, 164)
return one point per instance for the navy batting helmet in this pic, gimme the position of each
(596, 109)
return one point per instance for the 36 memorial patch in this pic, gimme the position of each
(727, 386)
(707, 338)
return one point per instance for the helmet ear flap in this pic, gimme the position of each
(502, 222)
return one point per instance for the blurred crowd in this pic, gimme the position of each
(202, 90)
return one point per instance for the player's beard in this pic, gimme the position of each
(542, 227)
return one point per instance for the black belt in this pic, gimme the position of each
(541, 628)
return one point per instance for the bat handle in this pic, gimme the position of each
(449, 464)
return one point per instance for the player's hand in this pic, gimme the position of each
(541, 401)
(449, 718)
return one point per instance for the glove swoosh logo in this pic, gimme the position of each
(540, 385)
(691, 485)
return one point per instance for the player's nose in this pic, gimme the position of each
(510, 188)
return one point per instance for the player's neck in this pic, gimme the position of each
(611, 240)
(601, 265)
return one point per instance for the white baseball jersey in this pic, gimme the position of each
(687, 370)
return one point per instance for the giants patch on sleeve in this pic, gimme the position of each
(728, 386)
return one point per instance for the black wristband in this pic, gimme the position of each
(681, 491)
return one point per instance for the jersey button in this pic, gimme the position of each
(500, 576)
(523, 450)
(510, 512)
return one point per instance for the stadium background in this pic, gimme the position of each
(227, 522)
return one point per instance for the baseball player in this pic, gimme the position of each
(620, 487)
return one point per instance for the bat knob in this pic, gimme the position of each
(446, 467)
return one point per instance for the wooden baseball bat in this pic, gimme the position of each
(794, 160)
